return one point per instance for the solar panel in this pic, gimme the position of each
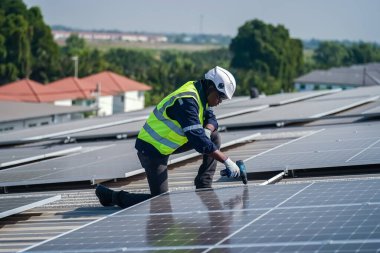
(117, 132)
(131, 122)
(338, 146)
(68, 128)
(10, 205)
(291, 218)
(104, 161)
(18, 155)
(97, 161)
(304, 111)
(375, 110)
(228, 109)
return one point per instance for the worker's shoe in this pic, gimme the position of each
(104, 195)
(121, 198)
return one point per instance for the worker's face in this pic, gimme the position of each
(214, 98)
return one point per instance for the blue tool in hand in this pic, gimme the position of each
(243, 171)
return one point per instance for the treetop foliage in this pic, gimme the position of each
(261, 55)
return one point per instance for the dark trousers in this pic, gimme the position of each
(157, 174)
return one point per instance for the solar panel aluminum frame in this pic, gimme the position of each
(280, 122)
(192, 154)
(40, 157)
(349, 146)
(93, 171)
(23, 208)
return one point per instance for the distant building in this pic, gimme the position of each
(72, 91)
(19, 115)
(27, 90)
(105, 92)
(101, 36)
(117, 93)
(344, 78)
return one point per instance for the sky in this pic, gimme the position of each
(355, 20)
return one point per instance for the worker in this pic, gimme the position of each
(183, 120)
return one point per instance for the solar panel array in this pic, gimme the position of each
(227, 109)
(96, 161)
(131, 122)
(10, 205)
(304, 111)
(17, 155)
(68, 128)
(338, 146)
(257, 104)
(313, 217)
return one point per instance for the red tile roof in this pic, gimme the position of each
(70, 88)
(112, 83)
(26, 90)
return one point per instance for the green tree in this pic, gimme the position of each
(364, 53)
(17, 43)
(74, 46)
(45, 52)
(90, 61)
(269, 52)
(331, 54)
(27, 48)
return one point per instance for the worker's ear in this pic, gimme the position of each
(210, 87)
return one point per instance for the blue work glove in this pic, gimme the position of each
(208, 133)
(232, 167)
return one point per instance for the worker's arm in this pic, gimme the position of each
(218, 155)
(185, 111)
(210, 121)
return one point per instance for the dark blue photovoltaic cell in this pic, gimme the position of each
(305, 111)
(306, 217)
(96, 161)
(338, 146)
(264, 197)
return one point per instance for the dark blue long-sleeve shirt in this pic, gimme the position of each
(185, 111)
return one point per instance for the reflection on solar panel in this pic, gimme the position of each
(18, 155)
(68, 128)
(109, 161)
(12, 205)
(334, 216)
(372, 110)
(121, 131)
(305, 111)
(230, 108)
(131, 122)
(338, 146)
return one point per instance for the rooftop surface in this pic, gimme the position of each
(282, 210)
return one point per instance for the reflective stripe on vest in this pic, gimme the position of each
(165, 134)
(159, 113)
(160, 139)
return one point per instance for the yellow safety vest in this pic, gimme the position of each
(164, 133)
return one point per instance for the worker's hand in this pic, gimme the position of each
(208, 133)
(232, 167)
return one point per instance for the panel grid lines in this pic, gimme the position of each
(342, 146)
(261, 216)
(325, 216)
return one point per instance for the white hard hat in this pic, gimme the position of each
(224, 81)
